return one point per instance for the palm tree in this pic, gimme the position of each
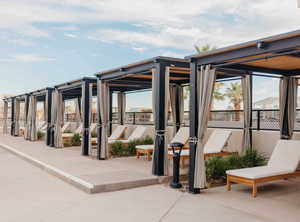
(234, 93)
(204, 48)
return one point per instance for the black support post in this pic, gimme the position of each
(159, 122)
(177, 105)
(193, 126)
(12, 127)
(86, 122)
(110, 111)
(49, 117)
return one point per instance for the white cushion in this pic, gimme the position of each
(65, 126)
(138, 133)
(182, 136)
(258, 172)
(286, 155)
(67, 134)
(117, 133)
(217, 141)
(145, 147)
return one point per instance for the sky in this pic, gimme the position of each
(46, 42)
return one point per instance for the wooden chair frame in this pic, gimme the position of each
(253, 182)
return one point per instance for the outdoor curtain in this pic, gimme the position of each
(17, 117)
(78, 115)
(5, 115)
(103, 107)
(30, 129)
(121, 107)
(288, 104)
(26, 106)
(90, 113)
(206, 82)
(177, 105)
(57, 118)
(160, 135)
(247, 103)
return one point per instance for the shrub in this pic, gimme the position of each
(216, 167)
(94, 134)
(68, 131)
(76, 140)
(119, 149)
(40, 135)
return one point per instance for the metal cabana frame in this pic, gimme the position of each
(279, 54)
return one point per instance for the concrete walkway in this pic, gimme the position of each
(30, 194)
(90, 175)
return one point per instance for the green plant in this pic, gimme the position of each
(40, 135)
(94, 134)
(68, 131)
(119, 149)
(216, 167)
(76, 140)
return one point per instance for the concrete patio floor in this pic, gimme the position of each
(86, 173)
(29, 194)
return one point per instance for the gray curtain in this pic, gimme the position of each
(78, 111)
(5, 115)
(121, 107)
(161, 134)
(288, 104)
(45, 110)
(17, 117)
(206, 82)
(57, 118)
(26, 106)
(103, 106)
(176, 99)
(247, 103)
(30, 129)
(90, 116)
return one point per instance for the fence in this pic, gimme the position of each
(264, 119)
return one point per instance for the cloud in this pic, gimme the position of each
(26, 58)
(70, 35)
(169, 23)
(22, 42)
(173, 54)
(139, 49)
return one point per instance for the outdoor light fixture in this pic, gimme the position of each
(176, 148)
(261, 45)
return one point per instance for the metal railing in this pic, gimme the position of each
(262, 119)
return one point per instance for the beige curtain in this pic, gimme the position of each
(160, 135)
(247, 100)
(30, 129)
(78, 111)
(288, 104)
(206, 82)
(90, 116)
(5, 116)
(58, 115)
(17, 117)
(121, 107)
(176, 96)
(103, 106)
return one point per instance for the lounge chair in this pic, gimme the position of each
(68, 136)
(117, 134)
(214, 146)
(138, 133)
(182, 136)
(66, 126)
(282, 165)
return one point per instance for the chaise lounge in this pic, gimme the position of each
(282, 165)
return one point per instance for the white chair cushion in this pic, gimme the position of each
(117, 133)
(258, 172)
(145, 147)
(217, 141)
(67, 134)
(137, 133)
(182, 136)
(286, 155)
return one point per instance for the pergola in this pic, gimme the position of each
(278, 54)
(83, 90)
(166, 77)
(30, 100)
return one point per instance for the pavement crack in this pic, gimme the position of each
(171, 207)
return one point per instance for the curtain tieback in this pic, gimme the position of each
(193, 140)
(160, 134)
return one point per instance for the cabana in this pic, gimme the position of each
(276, 55)
(165, 76)
(30, 101)
(82, 91)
